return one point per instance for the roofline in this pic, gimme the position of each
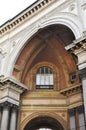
(9, 20)
(23, 15)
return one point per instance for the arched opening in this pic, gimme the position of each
(45, 52)
(47, 45)
(44, 78)
(43, 123)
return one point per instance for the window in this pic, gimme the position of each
(44, 78)
(76, 118)
(72, 77)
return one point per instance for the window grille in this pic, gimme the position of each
(44, 78)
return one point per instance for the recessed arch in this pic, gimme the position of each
(68, 20)
(34, 69)
(43, 122)
(51, 115)
(48, 44)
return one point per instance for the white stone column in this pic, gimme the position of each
(83, 79)
(0, 117)
(5, 117)
(13, 119)
(10, 90)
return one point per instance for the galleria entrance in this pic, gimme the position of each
(43, 123)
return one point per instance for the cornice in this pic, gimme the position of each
(72, 90)
(23, 16)
(12, 83)
(76, 44)
(11, 90)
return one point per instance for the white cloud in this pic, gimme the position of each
(10, 8)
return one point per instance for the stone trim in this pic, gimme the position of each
(71, 90)
(13, 83)
(17, 20)
(43, 113)
(11, 90)
(9, 105)
(77, 44)
(55, 75)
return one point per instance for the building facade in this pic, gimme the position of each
(43, 67)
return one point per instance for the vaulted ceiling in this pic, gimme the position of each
(47, 45)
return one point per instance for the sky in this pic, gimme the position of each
(10, 8)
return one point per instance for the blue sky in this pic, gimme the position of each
(10, 8)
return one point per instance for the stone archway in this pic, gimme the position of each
(47, 117)
(47, 45)
(43, 122)
(65, 20)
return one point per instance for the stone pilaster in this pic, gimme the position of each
(83, 79)
(0, 116)
(13, 119)
(10, 91)
(5, 116)
(80, 51)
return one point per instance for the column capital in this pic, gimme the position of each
(80, 109)
(6, 104)
(72, 111)
(15, 107)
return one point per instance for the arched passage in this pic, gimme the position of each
(68, 20)
(43, 122)
(46, 48)
(47, 45)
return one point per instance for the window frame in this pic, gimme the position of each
(45, 78)
(55, 74)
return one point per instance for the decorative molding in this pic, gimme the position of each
(8, 104)
(3, 53)
(72, 7)
(10, 90)
(77, 44)
(43, 113)
(55, 74)
(13, 83)
(84, 6)
(72, 90)
(29, 12)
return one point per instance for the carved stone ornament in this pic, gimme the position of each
(6, 104)
(72, 7)
(2, 53)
